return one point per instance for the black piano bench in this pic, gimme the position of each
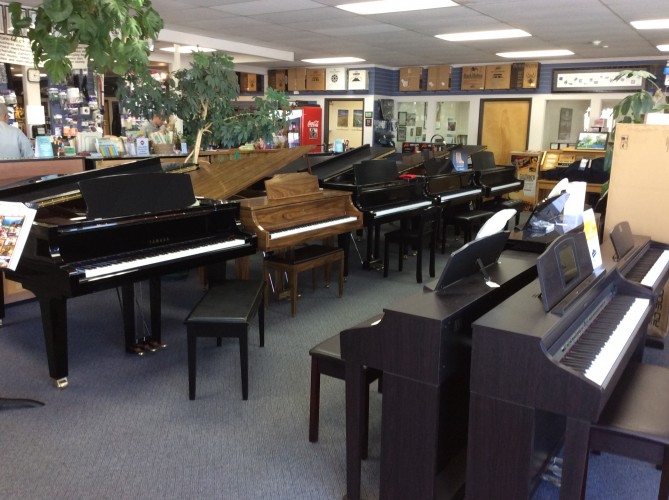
(326, 360)
(466, 221)
(226, 310)
(502, 204)
(301, 259)
(635, 421)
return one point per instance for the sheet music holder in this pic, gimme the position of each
(469, 259)
(375, 171)
(622, 239)
(483, 160)
(134, 194)
(545, 214)
(565, 269)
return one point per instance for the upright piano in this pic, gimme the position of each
(95, 230)
(544, 364)
(422, 344)
(495, 180)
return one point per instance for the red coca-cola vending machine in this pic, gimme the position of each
(305, 127)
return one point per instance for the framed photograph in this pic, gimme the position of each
(369, 114)
(594, 80)
(357, 117)
(555, 145)
(342, 118)
(368, 122)
(419, 131)
(401, 118)
(401, 134)
(411, 119)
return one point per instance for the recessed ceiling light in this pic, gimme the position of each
(483, 35)
(187, 49)
(663, 48)
(535, 53)
(333, 60)
(387, 6)
(651, 24)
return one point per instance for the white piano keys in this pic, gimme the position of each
(608, 354)
(656, 270)
(310, 227)
(462, 194)
(504, 186)
(401, 208)
(120, 267)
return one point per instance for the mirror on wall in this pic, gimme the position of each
(411, 121)
(452, 121)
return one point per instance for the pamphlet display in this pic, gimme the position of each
(16, 219)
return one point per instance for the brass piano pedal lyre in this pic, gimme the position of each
(61, 383)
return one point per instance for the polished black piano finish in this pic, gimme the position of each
(453, 188)
(68, 254)
(528, 397)
(499, 181)
(422, 345)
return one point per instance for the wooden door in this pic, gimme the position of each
(504, 126)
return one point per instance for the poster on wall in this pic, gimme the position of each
(342, 118)
(357, 117)
(564, 128)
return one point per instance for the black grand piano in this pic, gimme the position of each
(110, 228)
(496, 180)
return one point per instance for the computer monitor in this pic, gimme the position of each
(592, 140)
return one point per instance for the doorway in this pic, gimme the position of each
(345, 119)
(504, 126)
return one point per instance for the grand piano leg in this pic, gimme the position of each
(355, 385)
(343, 242)
(370, 246)
(54, 325)
(575, 461)
(155, 299)
(128, 304)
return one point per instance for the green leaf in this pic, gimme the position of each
(58, 71)
(58, 10)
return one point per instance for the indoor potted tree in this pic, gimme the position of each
(205, 100)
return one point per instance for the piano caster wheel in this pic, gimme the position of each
(327, 285)
(154, 344)
(137, 349)
(61, 383)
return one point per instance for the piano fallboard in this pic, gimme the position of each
(499, 181)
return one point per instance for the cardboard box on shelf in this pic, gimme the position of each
(524, 75)
(410, 78)
(248, 82)
(498, 77)
(315, 79)
(277, 79)
(439, 77)
(297, 79)
(473, 78)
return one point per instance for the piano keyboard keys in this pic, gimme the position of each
(657, 269)
(401, 208)
(460, 194)
(310, 227)
(595, 352)
(504, 186)
(106, 268)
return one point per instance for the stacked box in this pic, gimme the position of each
(357, 79)
(473, 78)
(498, 77)
(297, 79)
(335, 79)
(410, 78)
(315, 79)
(248, 82)
(277, 79)
(439, 77)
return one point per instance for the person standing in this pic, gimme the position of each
(155, 124)
(13, 142)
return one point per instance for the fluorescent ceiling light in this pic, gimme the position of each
(663, 48)
(187, 49)
(387, 6)
(651, 24)
(333, 60)
(483, 35)
(535, 53)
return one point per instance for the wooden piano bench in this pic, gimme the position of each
(301, 259)
(226, 310)
(635, 421)
(466, 221)
(326, 360)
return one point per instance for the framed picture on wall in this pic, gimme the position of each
(369, 114)
(402, 118)
(368, 122)
(419, 131)
(357, 117)
(401, 134)
(342, 118)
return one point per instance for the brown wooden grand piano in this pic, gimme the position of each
(296, 210)
(125, 228)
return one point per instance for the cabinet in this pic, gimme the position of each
(562, 158)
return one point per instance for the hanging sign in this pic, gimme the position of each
(17, 51)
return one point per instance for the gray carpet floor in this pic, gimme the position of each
(125, 428)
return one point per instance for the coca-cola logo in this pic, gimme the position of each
(313, 123)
